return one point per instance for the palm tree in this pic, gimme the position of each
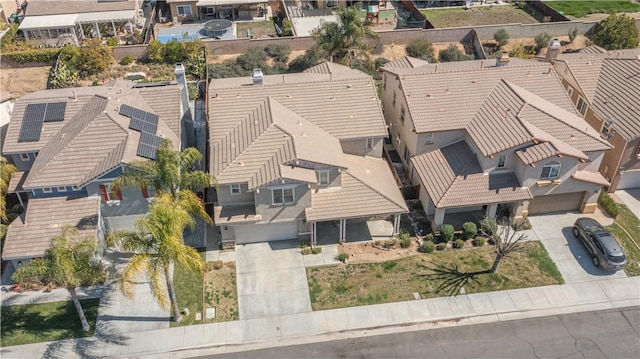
(157, 245)
(70, 261)
(6, 170)
(345, 40)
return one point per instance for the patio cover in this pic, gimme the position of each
(49, 21)
(103, 16)
(223, 2)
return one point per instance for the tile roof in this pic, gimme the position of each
(368, 188)
(235, 214)
(592, 177)
(405, 62)
(28, 236)
(532, 154)
(452, 177)
(59, 7)
(17, 181)
(6, 96)
(270, 136)
(338, 71)
(93, 137)
(347, 108)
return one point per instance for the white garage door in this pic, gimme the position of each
(265, 232)
(565, 202)
(629, 179)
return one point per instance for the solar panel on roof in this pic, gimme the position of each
(126, 110)
(143, 121)
(148, 145)
(32, 122)
(55, 111)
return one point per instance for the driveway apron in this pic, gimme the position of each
(272, 280)
(569, 254)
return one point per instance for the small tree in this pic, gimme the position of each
(310, 58)
(522, 52)
(469, 230)
(616, 32)
(502, 37)
(420, 48)
(573, 33)
(69, 262)
(452, 53)
(541, 41)
(446, 232)
(507, 239)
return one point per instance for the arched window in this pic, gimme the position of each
(551, 170)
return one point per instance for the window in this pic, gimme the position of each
(395, 95)
(402, 115)
(407, 155)
(62, 189)
(47, 190)
(148, 192)
(184, 10)
(323, 177)
(606, 127)
(428, 138)
(24, 157)
(502, 161)
(332, 3)
(282, 196)
(210, 10)
(235, 189)
(570, 91)
(75, 188)
(368, 143)
(108, 193)
(551, 170)
(582, 106)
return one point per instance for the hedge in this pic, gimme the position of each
(33, 55)
(608, 204)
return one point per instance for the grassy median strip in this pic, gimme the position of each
(393, 281)
(35, 323)
(627, 220)
(583, 8)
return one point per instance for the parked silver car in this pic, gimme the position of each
(605, 251)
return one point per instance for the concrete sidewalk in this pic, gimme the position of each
(56, 295)
(349, 322)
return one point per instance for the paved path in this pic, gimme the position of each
(631, 198)
(311, 327)
(56, 295)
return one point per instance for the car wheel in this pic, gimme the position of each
(575, 232)
(596, 261)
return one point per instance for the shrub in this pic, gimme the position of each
(253, 58)
(316, 250)
(428, 247)
(211, 265)
(342, 257)
(420, 48)
(429, 237)
(541, 41)
(446, 232)
(405, 242)
(303, 62)
(126, 60)
(502, 37)
(441, 246)
(616, 32)
(381, 61)
(305, 251)
(478, 241)
(33, 55)
(469, 230)
(280, 53)
(573, 33)
(113, 41)
(607, 203)
(155, 51)
(488, 226)
(378, 49)
(458, 244)
(523, 52)
(91, 59)
(453, 53)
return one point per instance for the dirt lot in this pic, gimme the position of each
(221, 292)
(368, 253)
(24, 80)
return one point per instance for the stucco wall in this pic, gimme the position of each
(23, 165)
(278, 213)
(225, 196)
(357, 147)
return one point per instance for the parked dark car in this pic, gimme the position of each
(605, 251)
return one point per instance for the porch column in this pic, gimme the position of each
(438, 218)
(396, 224)
(491, 210)
(20, 199)
(113, 25)
(343, 230)
(314, 240)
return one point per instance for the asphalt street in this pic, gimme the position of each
(612, 333)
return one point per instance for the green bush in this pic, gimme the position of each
(33, 55)
(405, 242)
(502, 37)
(616, 32)
(573, 33)
(489, 226)
(306, 250)
(607, 203)
(421, 49)
(316, 250)
(458, 244)
(303, 62)
(478, 241)
(126, 60)
(430, 237)
(342, 257)
(113, 41)
(211, 265)
(446, 232)
(280, 53)
(453, 53)
(428, 247)
(254, 57)
(542, 40)
(441, 246)
(381, 61)
(469, 230)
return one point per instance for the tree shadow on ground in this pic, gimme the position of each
(451, 278)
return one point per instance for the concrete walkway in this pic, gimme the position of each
(631, 198)
(56, 295)
(317, 326)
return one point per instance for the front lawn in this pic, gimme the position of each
(221, 293)
(631, 224)
(578, 8)
(393, 281)
(34, 323)
(477, 16)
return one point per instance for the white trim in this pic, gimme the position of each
(47, 190)
(284, 202)
(551, 166)
(61, 189)
(23, 158)
(502, 157)
(183, 8)
(570, 91)
(428, 138)
(320, 174)
(586, 106)
(75, 188)
(368, 143)
(233, 187)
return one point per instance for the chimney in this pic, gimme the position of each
(181, 79)
(553, 50)
(503, 60)
(257, 76)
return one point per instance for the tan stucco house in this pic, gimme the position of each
(290, 152)
(605, 88)
(497, 136)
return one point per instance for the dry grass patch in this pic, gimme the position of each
(477, 16)
(397, 280)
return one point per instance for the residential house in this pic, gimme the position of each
(6, 107)
(491, 137)
(184, 10)
(64, 22)
(69, 145)
(605, 88)
(293, 153)
(8, 8)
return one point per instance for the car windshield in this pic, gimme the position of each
(618, 258)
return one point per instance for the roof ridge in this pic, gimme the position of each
(371, 188)
(457, 175)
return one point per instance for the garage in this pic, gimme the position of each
(565, 202)
(253, 233)
(629, 179)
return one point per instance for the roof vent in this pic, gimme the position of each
(257, 76)
(553, 50)
(503, 60)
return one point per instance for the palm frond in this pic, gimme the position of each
(136, 173)
(195, 180)
(188, 158)
(193, 205)
(137, 266)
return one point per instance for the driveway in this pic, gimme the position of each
(272, 280)
(569, 254)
